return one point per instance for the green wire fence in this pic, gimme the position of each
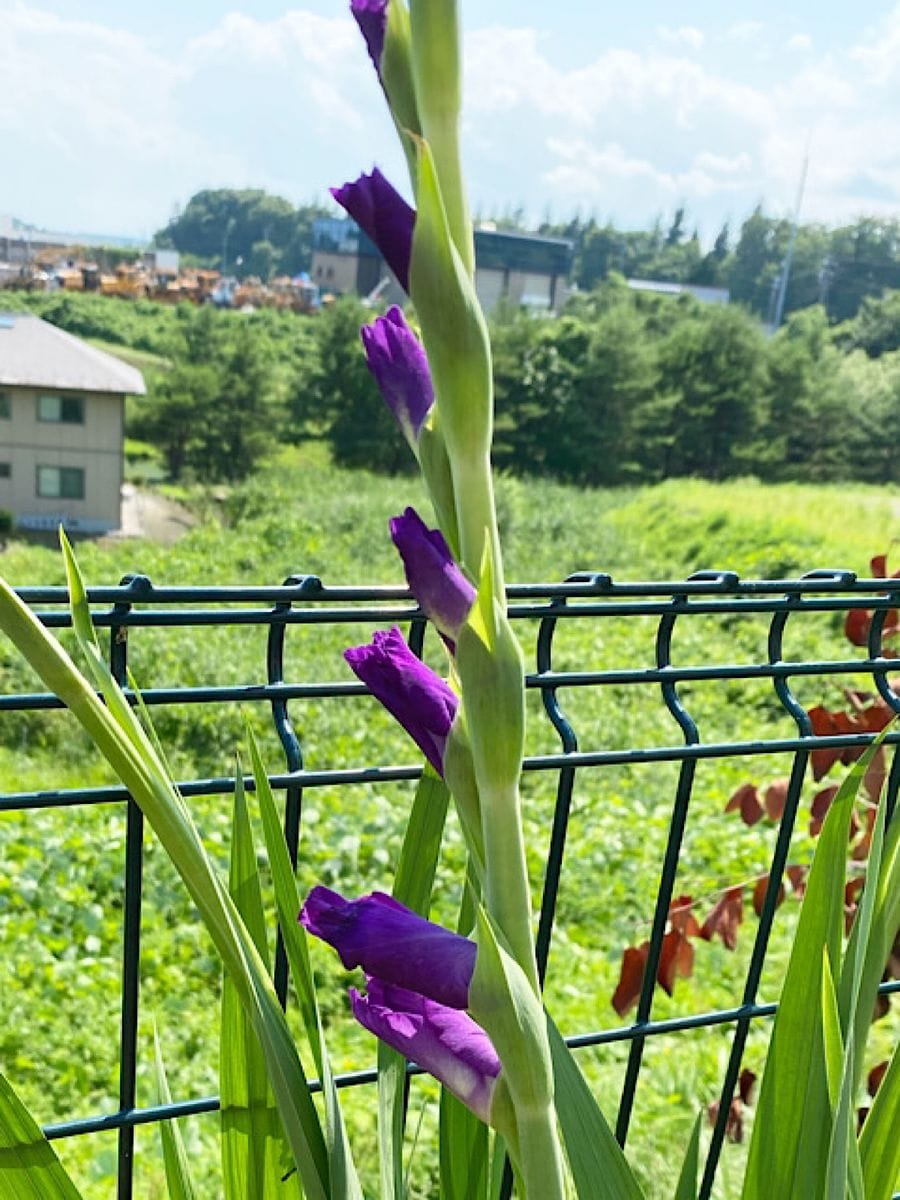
(540, 610)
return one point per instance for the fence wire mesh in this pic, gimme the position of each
(571, 745)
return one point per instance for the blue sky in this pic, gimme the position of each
(113, 114)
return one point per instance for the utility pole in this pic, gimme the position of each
(789, 255)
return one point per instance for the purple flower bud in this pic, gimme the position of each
(397, 359)
(371, 17)
(434, 578)
(446, 1043)
(381, 212)
(421, 701)
(389, 940)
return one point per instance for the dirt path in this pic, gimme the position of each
(148, 515)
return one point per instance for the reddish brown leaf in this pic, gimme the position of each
(824, 724)
(775, 797)
(734, 1125)
(797, 876)
(746, 1085)
(676, 958)
(725, 917)
(876, 774)
(681, 916)
(874, 1078)
(634, 963)
(857, 623)
(759, 894)
(746, 801)
(821, 802)
(852, 892)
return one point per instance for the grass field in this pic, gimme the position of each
(60, 885)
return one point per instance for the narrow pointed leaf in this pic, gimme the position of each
(138, 767)
(597, 1162)
(29, 1168)
(879, 1145)
(687, 1179)
(792, 1129)
(254, 1153)
(175, 1159)
(464, 1152)
(413, 884)
(344, 1181)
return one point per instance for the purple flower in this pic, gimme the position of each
(379, 209)
(389, 940)
(421, 701)
(397, 359)
(371, 17)
(445, 1042)
(434, 578)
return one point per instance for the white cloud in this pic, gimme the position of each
(879, 51)
(745, 31)
(107, 128)
(685, 35)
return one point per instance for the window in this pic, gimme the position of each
(65, 409)
(60, 483)
(5, 406)
(5, 470)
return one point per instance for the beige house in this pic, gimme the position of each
(62, 408)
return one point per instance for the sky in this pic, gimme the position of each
(112, 115)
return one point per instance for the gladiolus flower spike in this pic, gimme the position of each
(434, 578)
(396, 358)
(423, 703)
(390, 941)
(382, 213)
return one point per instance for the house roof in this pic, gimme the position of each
(34, 353)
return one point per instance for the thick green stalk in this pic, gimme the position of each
(436, 69)
(540, 1160)
(476, 517)
(507, 893)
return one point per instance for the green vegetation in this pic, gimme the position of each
(244, 232)
(676, 387)
(60, 889)
(839, 268)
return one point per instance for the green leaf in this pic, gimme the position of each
(879, 1145)
(178, 1177)
(838, 1081)
(29, 1168)
(343, 1177)
(413, 884)
(597, 1162)
(792, 1129)
(859, 980)
(254, 1153)
(137, 765)
(687, 1180)
(464, 1151)
(503, 1001)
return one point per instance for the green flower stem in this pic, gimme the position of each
(540, 1159)
(435, 42)
(506, 890)
(476, 516)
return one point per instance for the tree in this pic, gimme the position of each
(876, 327)
(337, 397)
(712, 366)
(212, 414)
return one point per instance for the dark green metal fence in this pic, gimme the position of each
(671, 606)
